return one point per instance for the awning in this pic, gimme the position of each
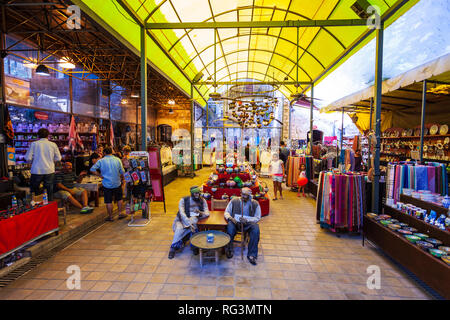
(438, 70)
(266, 54)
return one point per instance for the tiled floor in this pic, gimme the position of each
(297, 260)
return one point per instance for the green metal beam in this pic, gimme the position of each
(257, 24)
(126, 6)
(283, 83)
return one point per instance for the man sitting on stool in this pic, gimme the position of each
(65, 184)
(244, 211)
(190, 209)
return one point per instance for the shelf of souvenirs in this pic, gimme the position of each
(417, 137)
(389, 157)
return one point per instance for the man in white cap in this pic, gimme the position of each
(244, 212)
(190, 209)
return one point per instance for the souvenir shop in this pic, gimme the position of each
(413, 224)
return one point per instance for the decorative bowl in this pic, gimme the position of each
(231, 183)
(410, 229)
(434, 242)
(402, 224)
(385, 222)
(222, 184)
(371, 215)
(206, 196)
(437, 253)
(424, 245)
(225, 196)
(404, 232)
(213, 189)
(444, 248)
(422, 236)
(412, 238)
(393, 226)
(384, 216)
(393, 220)
(446, 259)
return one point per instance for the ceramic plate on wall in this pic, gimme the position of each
(443, 129)
(434, 129)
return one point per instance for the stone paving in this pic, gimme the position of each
(297, 260)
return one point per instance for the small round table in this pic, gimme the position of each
(221, 239)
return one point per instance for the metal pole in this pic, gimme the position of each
(342, 131)
(422, 118)
(290, 113)
(377, 95)
(311, 119)
(136, 143)
(369, 165)
(4, 159)
(192, 130)
(71, 95)
(143, 90)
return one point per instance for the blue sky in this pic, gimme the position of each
(419, 36)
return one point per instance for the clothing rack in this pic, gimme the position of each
(293, 169)
(340, 203)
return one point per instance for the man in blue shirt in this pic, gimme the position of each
(111, 170)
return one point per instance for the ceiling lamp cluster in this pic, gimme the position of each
(252, 114)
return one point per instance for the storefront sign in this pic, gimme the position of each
(41, 115)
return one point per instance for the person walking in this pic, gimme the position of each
(43, 154)
(111, 170)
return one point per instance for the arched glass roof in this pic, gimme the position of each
(264, 54)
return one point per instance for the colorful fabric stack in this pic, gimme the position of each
(431, 176)
(347, 157)
(293, 169)
(341, 203)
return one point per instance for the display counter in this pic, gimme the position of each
(432, 270)
(20, 230)
(169, 174)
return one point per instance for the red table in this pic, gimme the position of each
(19, 230)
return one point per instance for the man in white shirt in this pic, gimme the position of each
(43, 154)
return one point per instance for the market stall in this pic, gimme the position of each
(24, 224)
(226, 183)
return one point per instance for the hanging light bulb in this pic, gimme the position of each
(65, 63)
(42, 70)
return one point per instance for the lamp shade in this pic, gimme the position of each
(42, 70)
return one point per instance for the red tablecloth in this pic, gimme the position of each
(264, 203)
(27, 226)
(224, 177)
(229, 191)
